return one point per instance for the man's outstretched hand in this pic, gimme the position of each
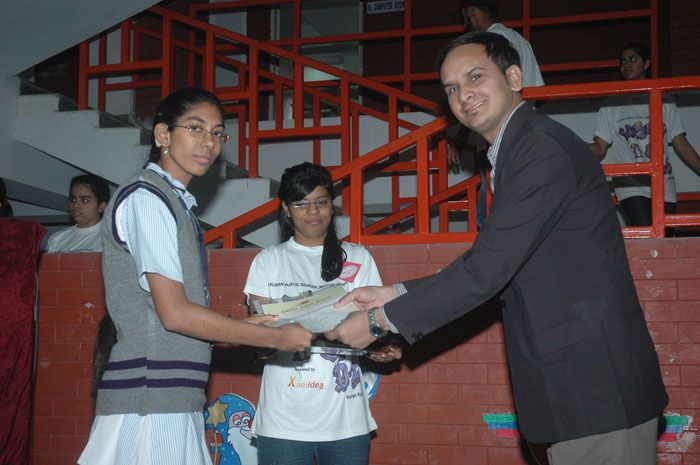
(368, 297)
(354, 330)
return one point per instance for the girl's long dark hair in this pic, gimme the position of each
(298, 182)
(169, 110)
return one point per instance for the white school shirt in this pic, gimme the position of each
(322, 398)
(75, 239)
(149, 229)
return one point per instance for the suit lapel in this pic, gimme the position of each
(510, 136)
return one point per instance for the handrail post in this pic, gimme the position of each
(125, 41)
(254, 59)
(167, 58)
(654, 36)
(441, 181)
(422, 220)
(408, 46)
(298, 98)
(191, 40)
(657, 163)
(526, 19)
(208, 63)
(316, 121)
(345, 134)
(102, 80)
(296, 47)
(354, 153)
(356, 192)
(393, 133)
(83, 63)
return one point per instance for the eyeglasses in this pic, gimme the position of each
(630, 59)
(305, 204)
(199, 132)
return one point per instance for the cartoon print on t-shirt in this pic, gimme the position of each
(640, 131)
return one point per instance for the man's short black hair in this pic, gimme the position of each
(487, 6)
(498, 49)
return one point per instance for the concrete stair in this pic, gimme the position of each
(112, 148)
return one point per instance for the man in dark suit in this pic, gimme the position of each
(584, 372)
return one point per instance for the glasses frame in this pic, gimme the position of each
(191, 131)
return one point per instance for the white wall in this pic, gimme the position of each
(27, 172)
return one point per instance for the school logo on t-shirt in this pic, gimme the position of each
(349, 272)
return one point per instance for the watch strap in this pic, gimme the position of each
(374, 328)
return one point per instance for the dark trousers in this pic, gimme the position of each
(638, 210)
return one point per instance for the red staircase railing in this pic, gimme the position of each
(206, 46)
(210, 46)
(410, 32)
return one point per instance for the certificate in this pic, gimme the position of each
(315, 312)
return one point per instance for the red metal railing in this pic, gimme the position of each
(655, 167)
(205, 46)
(410, 32)
(419, 138)
(210, 45)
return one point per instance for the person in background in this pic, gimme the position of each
(5, 207)
(584, 370)
(482, 16)
(315, 406)
(622, 135)
(151, 393)
(88, 197)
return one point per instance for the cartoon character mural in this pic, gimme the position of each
(231, 419)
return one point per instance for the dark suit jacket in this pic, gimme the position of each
(581, 358)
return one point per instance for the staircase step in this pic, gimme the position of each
(234, 171)
(108, 145)
(26, 88)
(67, 104)
(108, 120)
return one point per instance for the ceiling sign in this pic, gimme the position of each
(385, 6)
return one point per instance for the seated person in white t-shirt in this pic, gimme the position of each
(88, 198)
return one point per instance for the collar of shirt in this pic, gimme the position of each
(492, 153)
(180, 189)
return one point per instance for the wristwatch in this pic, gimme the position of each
(374, 328)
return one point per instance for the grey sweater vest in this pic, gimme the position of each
(151, 370)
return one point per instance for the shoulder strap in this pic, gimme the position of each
(130, 189)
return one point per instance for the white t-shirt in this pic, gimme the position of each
(75, 239)
(623, 122)
(528, 63)
(321, 398)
